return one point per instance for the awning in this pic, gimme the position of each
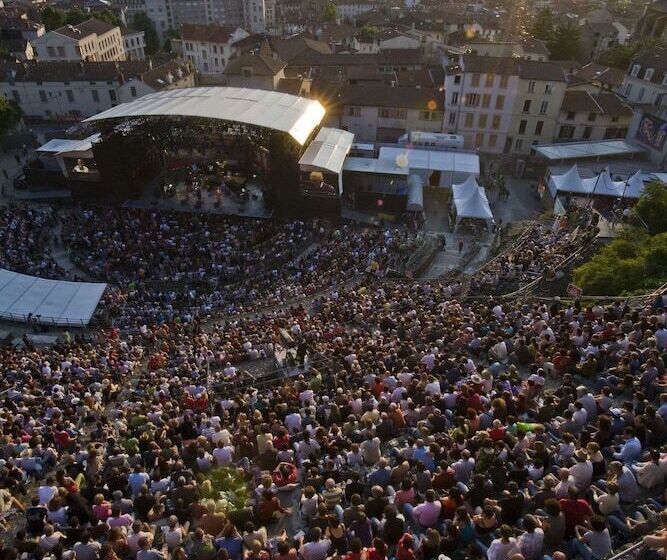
(60, 146)
(328, 150)
(49, 302)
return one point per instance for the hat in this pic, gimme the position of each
(581, 454)
(615, 411)
(476, 379)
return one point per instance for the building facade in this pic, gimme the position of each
(503, 105)
(92, 40)
(76, 90)
(134, 43)
(208, 47)
(592, 116)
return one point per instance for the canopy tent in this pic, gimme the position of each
(415, 194)
(600, 185)
(47, 302)
(328, 151)
(587, 149)
(470, 202)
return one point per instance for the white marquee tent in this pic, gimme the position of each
(470, 202)
(600, 185)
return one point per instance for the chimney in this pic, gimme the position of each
(150, 63)
(169, 77)
(179, 72)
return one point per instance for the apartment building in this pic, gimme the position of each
(529, 49)
(377, 113)
(76, 90)
(134, 43)
(349, 10)
(503, 105)
(645, 88)
(592, 116)
(595, 38)
(92, 40)
(208, 47)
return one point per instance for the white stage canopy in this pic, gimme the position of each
(294, 115)
(50, 302)
(587, 149)
(328, 150)
(600, 185)
(470, 201)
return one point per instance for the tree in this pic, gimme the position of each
(171, 34)
(10, 115)
(368, 33)
(109, 17)
(53, 18)
(330, 12)
(76, 16)
(564, 45)
(651, 208)
(543, 28)
(620, 56)
(142, 22)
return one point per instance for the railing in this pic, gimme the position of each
(629, 553)
(41, 320)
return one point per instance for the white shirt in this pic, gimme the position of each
(315, 550)
(46, 493)
(582, 474)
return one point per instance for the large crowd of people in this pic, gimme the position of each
(413, 425)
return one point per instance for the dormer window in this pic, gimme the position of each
(648, 74)
(635, 70)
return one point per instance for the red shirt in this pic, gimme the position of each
(576, 512)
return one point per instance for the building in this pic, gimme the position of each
(653, 23)
(92, 40)
(208, 47)
(645, 87)
(263, 70)
(377, 113)
(530, 49)
(596, 77)
(347, 11)
(503, 105)
(134, 43)
(593, 116)
(595, 38)
(75, 90)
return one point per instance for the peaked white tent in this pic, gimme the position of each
(470, 202)
(600, 185)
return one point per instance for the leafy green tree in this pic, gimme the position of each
(10, 115)
(330, 12)
(368, 33)
(76, 16)
(543, 27)
(564, 45)
(53, 18)
(142, 22)
(620, 56)
(109, 17)
(651, 209)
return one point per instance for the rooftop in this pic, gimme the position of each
(91, 26)
(206, 33)
(525, 69)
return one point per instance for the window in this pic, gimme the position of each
(215, 49)
(61, 51)
(503, 81)
(544, 106)
(634, 71)
(246, 72)
(16, 96)
(353, 111)
(518, 145)
(628, 88)
(457, 79)
(455, 98)
(205, 66)
(51, 51)
(571, 115)
(133, 91)
(610, 133)
(526, 106)
(452, 118)
(493, 140)
(548, 89)
(486, 100)
(538, 128)
(472, 100)
(531, 87)
(566, 132)
(664, 80)
(591, 117)
(641, 94)
(112, 95)
(96, 95)
(481, 123)
(70, 95)
(42, 95)
(468, 120)
(490, 78)
(204, 54)
(495, 124)
(587, 132)
(393, 113)
(614, 119)
(500, 102)
(648, 74)
(428, 116)
(522, 126)
(479, 139)
(475, 80)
